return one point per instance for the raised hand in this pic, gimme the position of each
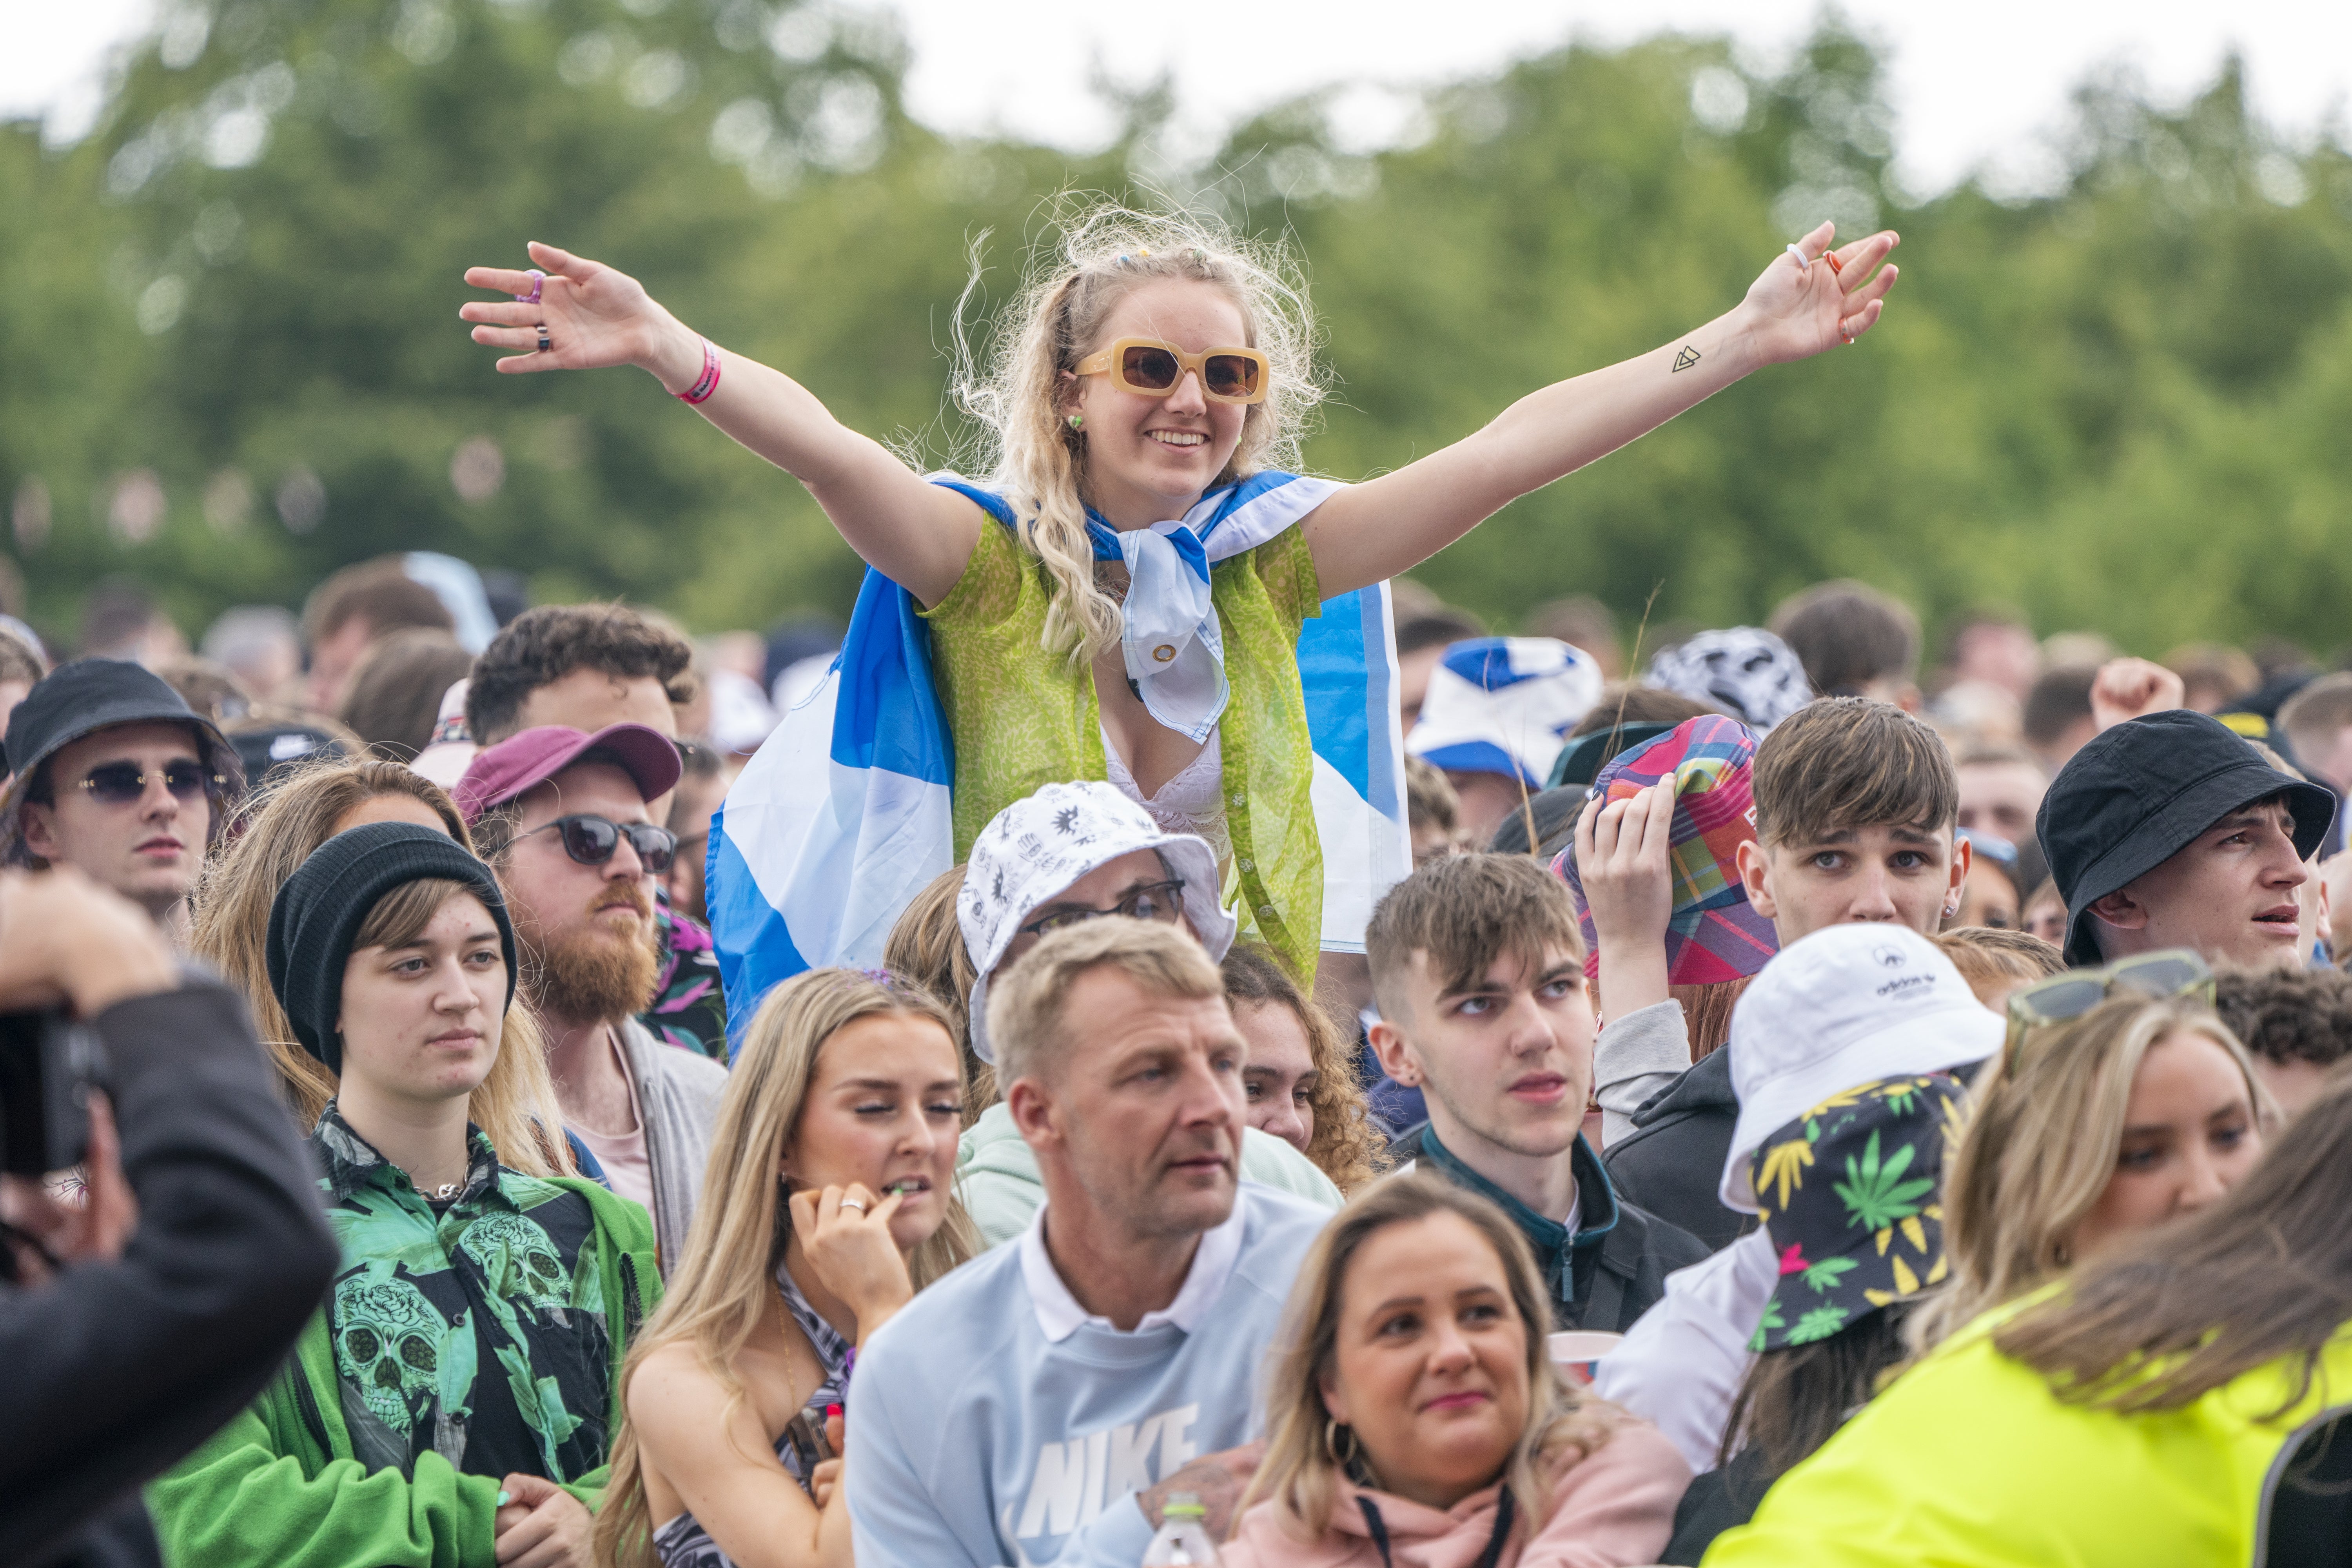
(844, 1234)
(591, 315)
(1623, 865)
(1800, 308)
(2127, 689)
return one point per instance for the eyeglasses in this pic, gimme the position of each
(593, 840)
(1159, 903)
(1154, 369)
(2174, 971)
(120, 783)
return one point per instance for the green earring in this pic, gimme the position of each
(1077, 422)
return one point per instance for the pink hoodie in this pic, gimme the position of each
(1615, 1506)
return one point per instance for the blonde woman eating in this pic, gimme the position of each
(827, 1204)
(1416, 1417)
(1121, 594)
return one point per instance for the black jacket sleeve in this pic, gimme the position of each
(113, 1371)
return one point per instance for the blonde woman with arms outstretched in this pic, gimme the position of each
(826, 1206)
(1121, 595)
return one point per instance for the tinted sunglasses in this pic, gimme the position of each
(1161, 902)
(2174, 971)
(120, 783)
(591, 840)
(1153, 368)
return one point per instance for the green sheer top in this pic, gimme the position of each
(1022, 718)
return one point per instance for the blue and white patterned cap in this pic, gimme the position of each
(1504, 705)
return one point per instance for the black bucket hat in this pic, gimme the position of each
(2135, 795)
(93, 694)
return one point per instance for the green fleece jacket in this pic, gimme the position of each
(281, 1487)
(997, 1177)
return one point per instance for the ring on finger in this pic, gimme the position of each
(537, 281)
(853, 1204)
(545, 344)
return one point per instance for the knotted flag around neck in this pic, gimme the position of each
(845, 813)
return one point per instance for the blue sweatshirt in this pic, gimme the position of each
(992, 1424)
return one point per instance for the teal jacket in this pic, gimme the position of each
(284, 1483)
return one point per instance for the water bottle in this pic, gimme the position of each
(1183, 1539)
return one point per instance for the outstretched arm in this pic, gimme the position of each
(1390, 524)
(919, 535)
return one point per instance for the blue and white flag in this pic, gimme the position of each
(844, 815)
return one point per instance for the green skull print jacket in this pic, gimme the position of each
(459, 1341)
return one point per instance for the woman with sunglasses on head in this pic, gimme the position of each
(566, 819)
(2182, 1396)
(453, 1400)
(1121, 594)
(1415, 1417)
(2118, 1102)
(830, 1201)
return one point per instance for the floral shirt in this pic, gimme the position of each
(689, 1010)
(474, 1328)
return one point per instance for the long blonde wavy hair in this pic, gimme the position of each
(1300, 1472)
(1092, 254)
(2041, 1146)
(279, 828)
(724, 1282)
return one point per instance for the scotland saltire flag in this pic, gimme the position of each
(844, 815)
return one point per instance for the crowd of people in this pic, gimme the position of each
(1782, 1104)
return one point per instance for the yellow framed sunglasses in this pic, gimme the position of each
(1152, 368)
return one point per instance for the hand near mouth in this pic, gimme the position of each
(852, 1253)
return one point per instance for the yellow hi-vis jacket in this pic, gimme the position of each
(1969, 1459)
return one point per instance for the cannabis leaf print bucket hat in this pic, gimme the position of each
(1849, 1198)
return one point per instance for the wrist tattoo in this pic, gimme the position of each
(1688, 358)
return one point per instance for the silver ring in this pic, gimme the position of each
(853, 1204)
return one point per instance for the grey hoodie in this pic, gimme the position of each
(677, 1099)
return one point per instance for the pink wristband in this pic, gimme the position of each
(708, 383)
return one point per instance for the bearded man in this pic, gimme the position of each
(562, 815)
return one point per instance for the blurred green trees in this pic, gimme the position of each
(230, 359)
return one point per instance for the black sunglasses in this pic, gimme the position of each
(591, 840)
(120, 783)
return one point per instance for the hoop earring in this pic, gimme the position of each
(1331, 1430)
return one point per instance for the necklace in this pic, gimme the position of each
(441, 1193)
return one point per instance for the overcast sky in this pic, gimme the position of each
(1975, 80)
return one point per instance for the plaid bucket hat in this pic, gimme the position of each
(1714, 933)
(1849, 1196)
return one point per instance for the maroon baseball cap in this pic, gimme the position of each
(521, 763)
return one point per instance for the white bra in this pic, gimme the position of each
(1192, 801)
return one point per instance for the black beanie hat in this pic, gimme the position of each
(319, 913)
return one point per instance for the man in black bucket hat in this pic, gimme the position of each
(116, 776)
(2169, 830)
